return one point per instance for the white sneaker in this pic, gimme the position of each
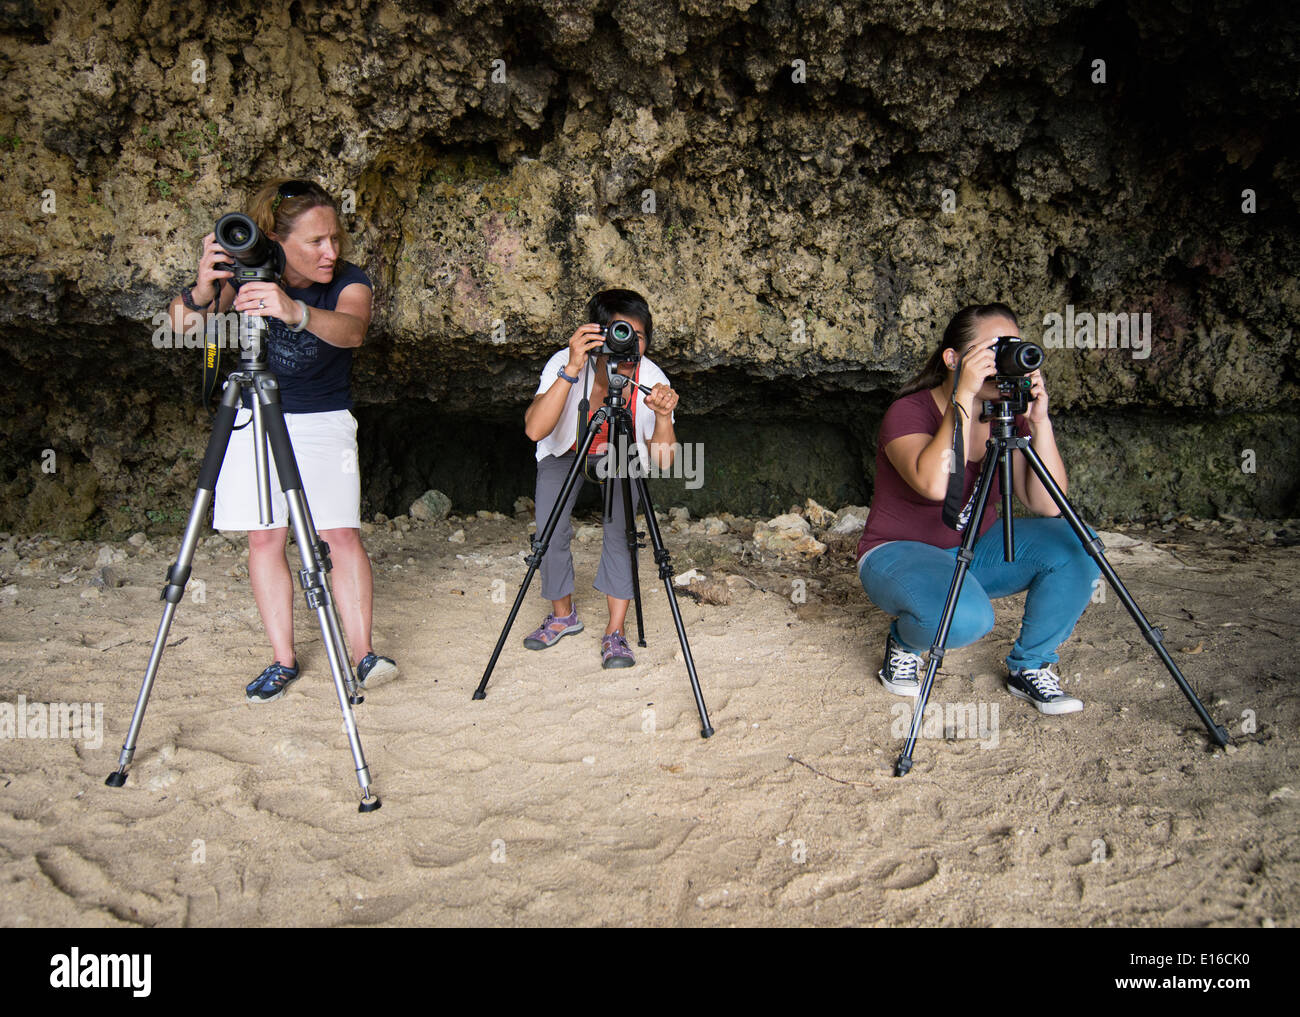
(1042, 687)
(901, 672)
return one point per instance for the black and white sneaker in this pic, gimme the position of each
(901, 673)
(375, 670)
(1042, 687)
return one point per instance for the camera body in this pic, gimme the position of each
(620, 342)
(257, 258)
(1015, 359)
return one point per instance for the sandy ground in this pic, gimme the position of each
(576, 796)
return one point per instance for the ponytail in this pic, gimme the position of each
(959, 333)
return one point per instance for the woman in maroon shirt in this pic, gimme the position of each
(907, 554)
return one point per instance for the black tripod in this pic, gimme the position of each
(1003, 439)
(268, 423)
(621, 439)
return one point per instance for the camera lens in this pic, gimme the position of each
(620, 339)
(1016, 357)
(242, 240)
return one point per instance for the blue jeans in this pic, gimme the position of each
(910, 579)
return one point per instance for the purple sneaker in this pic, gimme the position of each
(553, 629)
(614, 651)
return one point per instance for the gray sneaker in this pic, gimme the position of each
(1042, 687)
(901, 673)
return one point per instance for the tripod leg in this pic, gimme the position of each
(315, 581)
(350, 683)
(1008, 534)
(178, 575)
(632, 546)
(534, 561)
(349, 679)
(664, 560)
(1153, 635)
(540, 543)
(965, 552)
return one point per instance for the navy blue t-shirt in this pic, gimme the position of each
(314, 376)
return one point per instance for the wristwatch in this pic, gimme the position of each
(571, 381)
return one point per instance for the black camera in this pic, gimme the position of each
(1015, 359)
(258, 258)
(620, 342)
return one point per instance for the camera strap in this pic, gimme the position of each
(211, 361)
(583, 406)
(212, 339)
(952, 507)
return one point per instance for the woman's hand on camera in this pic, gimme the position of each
(977, 366)
(267, 300)
(1037, 412)
(662, 400)
(209, 279)
(582, 342)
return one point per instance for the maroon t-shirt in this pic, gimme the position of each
(898, 512)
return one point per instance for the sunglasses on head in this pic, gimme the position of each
(292, 189)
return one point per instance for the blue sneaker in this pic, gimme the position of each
(271, 683)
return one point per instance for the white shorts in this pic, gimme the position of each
(325, 445)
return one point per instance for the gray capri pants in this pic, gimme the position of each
(614, 577)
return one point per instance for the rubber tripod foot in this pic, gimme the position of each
(479, 694)
(706, 732)
(116, 779)
(902, 766)
(356, 699)
(369, 804)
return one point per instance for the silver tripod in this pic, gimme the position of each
(268, 425)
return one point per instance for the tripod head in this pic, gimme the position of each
(616, 382)
(252, 329)
(1013, 392)
(1008, 405)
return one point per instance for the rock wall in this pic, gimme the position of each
(805, 192)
